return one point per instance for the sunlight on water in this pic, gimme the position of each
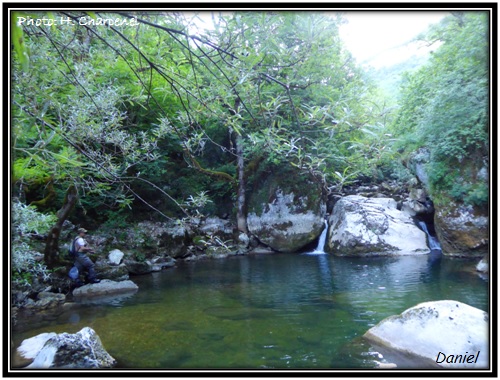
(279, 311)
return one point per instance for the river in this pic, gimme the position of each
(268, 311)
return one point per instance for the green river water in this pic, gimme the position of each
(271, 311)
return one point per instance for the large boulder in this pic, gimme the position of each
(286, 214)
(105, 287)
(372, 227)
(81, 350)
(462, 230)
(438, 331)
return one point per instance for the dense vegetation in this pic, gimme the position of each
(445, 108)
(166, 120)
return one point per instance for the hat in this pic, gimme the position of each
(80, 230)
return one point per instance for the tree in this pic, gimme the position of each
(123, 113)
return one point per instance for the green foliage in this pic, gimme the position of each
(26, 220)
(444, 107)
(140, 257)
(144, 118)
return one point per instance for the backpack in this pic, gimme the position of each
(72, 248)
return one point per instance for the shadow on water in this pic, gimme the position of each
(277, 311)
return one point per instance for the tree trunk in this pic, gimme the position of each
(241, 216)
(52, 244)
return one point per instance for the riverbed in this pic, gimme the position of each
(269, 311)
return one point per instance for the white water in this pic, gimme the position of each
(433, 242)
(320, 249)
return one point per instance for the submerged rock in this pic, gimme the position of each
(371, 227)
(105, 287)
(83, 349)
(430, 328)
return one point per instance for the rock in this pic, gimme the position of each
(483, 266)
(285, 227)
(418, 203)
(105, 287)
(386, 365)
(30, 348)
(115, 257)
(106, 270)
(462, 230)
(244, 240)
(373, 226)
(81, 350)
(214, 226)
(425, 330)
(261, 251)
(417, 164)
(413, 207)
(168, 238)
(47, 300)
(286, 212)
(138, 267)
(160, 263)
(418, 195)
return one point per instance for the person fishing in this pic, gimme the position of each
(82, 261)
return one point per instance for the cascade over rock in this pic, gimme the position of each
(462, 230)
(286, 212)
(425, 330)
(371, 227)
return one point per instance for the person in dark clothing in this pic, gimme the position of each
(82, 261)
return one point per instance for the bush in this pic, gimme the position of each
(25, 220)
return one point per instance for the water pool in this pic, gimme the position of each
(272, 311)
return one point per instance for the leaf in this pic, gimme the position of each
(92, 14)
(17, 36)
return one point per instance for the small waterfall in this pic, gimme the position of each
(433, 242)
(322, 239)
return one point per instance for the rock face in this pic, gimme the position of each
(425, 330)
(81, 350)
(288, 222)
(105, 287)
(371, 227)
(462, 230)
